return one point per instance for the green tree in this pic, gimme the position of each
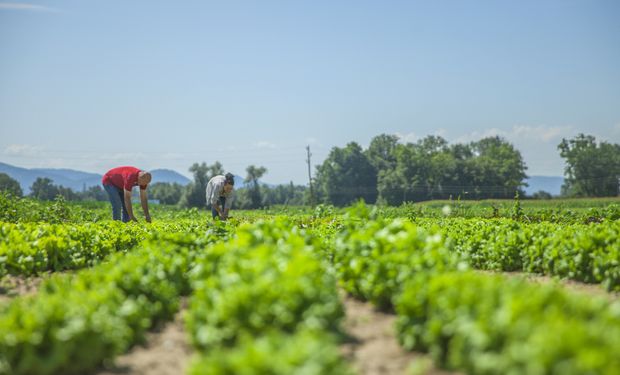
(392, 187)
(592, 170)
(254, 192)
(43, 189)
(195, 192)
(67, 193)
(347, 175)
(381, 152)
(166, 193)
(10, 185)
(431, 169)
(93, 193)
(286, 194)
(498, 169)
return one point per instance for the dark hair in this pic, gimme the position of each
(230, 179)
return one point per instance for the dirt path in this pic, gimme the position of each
(166, 352)
(373, 348)
(13, 286)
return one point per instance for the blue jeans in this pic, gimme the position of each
(117, 198)
(222, 203)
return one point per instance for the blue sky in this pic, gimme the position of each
(90, 85)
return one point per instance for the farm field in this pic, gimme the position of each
(441, 287)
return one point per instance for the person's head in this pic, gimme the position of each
(144, 178)
(229, 182)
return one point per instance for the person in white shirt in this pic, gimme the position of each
(220, 195)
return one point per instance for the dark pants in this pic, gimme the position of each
(222, 203)
(117, 198)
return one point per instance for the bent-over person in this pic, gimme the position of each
(118, 183)
(220, 195)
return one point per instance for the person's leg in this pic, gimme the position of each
(121, 194)
(114, 200)
(213, 212)
(223, 203)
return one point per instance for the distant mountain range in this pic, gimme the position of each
(78, 180)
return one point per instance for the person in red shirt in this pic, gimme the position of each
(118, 183)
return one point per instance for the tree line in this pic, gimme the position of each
(390, 172)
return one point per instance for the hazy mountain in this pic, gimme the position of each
(77, 180)
(168, 175)
(550, 184)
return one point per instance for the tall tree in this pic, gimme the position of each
(498, 169)
(347, 175)
(381, 152)
(251, 179)
(10, 185)
(592, 170)
(43, 189)
(166, 193)
(195, 192)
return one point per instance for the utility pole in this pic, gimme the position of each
(310, 176)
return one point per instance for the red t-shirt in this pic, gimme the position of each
(122, 177)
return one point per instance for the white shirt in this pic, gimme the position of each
(215, 190)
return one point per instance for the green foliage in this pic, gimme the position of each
(14, 210)
(10, 185)
(587, 253)
(166, 193)
(373, 258)
(253, 188)
(592, 170)
(76, 322)
(28, 249)
(263, 296)
(492, 325)
(195, 192)
(517, 211)
(267, 278)
(275, 353)
(430, 169)
(43, 189)
(346, 176)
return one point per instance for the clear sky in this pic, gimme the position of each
(91, 85)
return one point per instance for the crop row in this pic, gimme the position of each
(260, 297)
(478, 323)
(29, 248)
(76, 322)
(265, 304)
(586, 253)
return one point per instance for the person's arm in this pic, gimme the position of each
(145, 205)
(215, 191)
(128, 205)
(228, 204)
